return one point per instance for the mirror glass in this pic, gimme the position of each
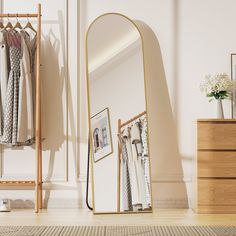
(117, 116)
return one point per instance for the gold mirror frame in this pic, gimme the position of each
(89, 120)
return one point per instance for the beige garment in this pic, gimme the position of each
(25, 110)
(33, 47)
(4, 70)
(137, 155)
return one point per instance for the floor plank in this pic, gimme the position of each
(85, 217)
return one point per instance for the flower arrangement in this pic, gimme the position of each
(218, 86)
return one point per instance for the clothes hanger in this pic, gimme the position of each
(29, 25)
(9, 24)
(17, 25)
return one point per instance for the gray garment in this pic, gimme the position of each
(4, 71)
(125, 176)
(25, 132)
(11, 106)
(132, 167)
(9, 136)
(16, 76)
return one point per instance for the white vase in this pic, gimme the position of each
(220, 112)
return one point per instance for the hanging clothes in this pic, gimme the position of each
(17, 88)
(25, 132)
(4, 71)
(125, 175)
(145, 159)
(137, 154)
(12, 96)
(32, 46)
(132, 169)
(134, 163)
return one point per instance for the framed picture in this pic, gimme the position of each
(101, 135)
(233, 77)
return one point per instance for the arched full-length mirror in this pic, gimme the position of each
(118, 116)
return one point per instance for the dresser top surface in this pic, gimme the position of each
(217, 120)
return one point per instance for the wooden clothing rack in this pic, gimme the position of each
(121, 125)
(37, 183)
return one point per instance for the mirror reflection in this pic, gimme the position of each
(117, 116)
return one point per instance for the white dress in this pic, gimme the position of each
(4, 70)
(145, 159)
(25, 110)
(137, 156)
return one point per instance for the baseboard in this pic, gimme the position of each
(56, 178)
(171, 203)
(51, 204)
(80, 204)
(160, 178)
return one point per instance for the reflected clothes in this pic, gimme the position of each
(145, 160)
(134, 140)
(132, 167)
(137, 156)
(16, 89)
(125, 176)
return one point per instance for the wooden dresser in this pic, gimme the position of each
(216, 166)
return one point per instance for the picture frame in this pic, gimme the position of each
(233, 77)
(101, 135)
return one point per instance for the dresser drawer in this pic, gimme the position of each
(217, 135)
(202, 209)
(217, 164)
(217, 192)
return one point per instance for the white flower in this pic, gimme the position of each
(218, 86)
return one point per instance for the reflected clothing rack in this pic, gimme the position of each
(37, 183)
(120, 126)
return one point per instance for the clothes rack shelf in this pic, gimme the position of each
(37, 183)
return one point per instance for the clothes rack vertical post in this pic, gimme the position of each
(118, 172)
(120, 126)
(37, 183)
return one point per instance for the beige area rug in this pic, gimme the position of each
(117, 230)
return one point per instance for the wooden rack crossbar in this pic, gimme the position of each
(132, 119)
(16, 183)
(38, 136)
(120, 125)
(19, 15)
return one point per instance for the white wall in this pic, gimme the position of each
(196, 37)
(53, 73)
(59, 84)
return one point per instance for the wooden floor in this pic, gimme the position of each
(85, 217)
